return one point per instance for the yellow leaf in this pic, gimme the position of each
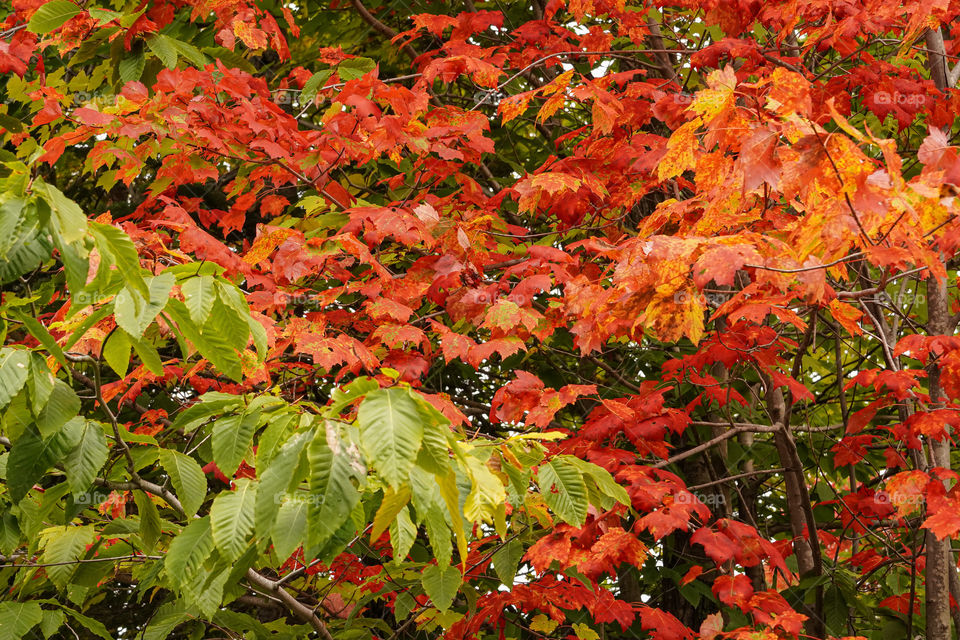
(546, 435)
(584, 632)
(451, 496)
(680, 148)
(487, 492)
(543, 624)
(393, 502)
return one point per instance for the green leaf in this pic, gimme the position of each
(435, 454)
(161, 47)
(134, 313)
(102, 16)
(604, 481)
(441, 585)
(232, 518)
(166, 619)
(28, 254)
(117, 245)
(208, 595)
(439, 533)
(290, 527)
(230, 59)
(87, 458)
(149, 356)
(391, 430)
(38, 331)
(314, 84)
(211, 404)
(232, 437)
(355, 68)
(403, 533)
(62, 547)
(259, 335)
(350, 392)
(506, 560)
(187, 478)
(116, 351)
(39, 383)
(31, 456)
(190, 52)
(62, 405)
(18, 618)
(149, 520)
(76, 263)
(188, 550)
(52, 15)
(9, 533)
(13, 373)
(335, 473)
(68, 219)
(15, 220)
(131, 67)
(93, 626)
(218, 351)
(199, 294)
(274, 480)
(211, 346)
(564, 491)
(227, 325)
(276, 432)
(53, 619)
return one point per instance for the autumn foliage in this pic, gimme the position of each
(552, 319)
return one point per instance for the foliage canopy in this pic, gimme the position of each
(535, 319)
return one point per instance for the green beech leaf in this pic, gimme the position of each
(149, 520)
(188, 550)
(336, 472)
(31, 456)
(13, 373)
(161, 47)
(116, 245)
(18, 618)
(290, 528)
(199, 295)
(564, 491)
(62, 547)
(84, 462)
(232, 437)
(52, 15)
(275, 478)
(186, 475)
(441, 584)
(116, 351)
(232, 518)
(391, 430)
